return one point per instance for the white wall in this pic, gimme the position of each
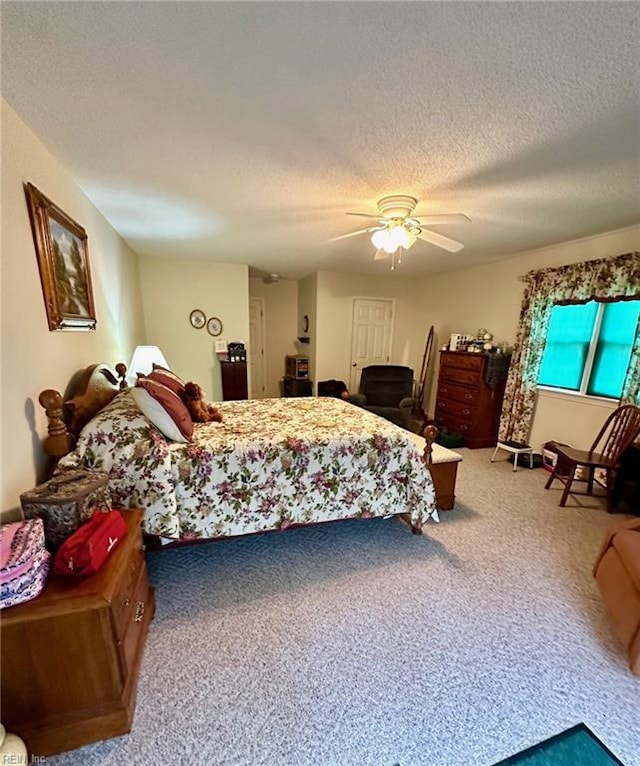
(335, 295)
(171, 289)
(281, 326)
(490, 295)
(33, 358)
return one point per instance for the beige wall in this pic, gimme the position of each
(490, 295)
(281, 326)
(33, 358)
(335, 295)
(308, 305)
(171, 289)
(568, 419)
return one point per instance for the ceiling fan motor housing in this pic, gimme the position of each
(397, 206)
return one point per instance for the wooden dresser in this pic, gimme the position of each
(465, 402)
(71, 657)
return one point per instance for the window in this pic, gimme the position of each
(589, 346)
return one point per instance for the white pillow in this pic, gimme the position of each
(156, 413)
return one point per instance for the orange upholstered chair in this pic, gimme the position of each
(617, 573)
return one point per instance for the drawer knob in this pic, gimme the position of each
(466, 411)
(468, 396)
(139, 612)
(127, 601)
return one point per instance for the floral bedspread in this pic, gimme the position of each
(269, 464)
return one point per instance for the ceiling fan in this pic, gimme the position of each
(397, 228)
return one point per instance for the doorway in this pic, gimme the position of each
(257, 356)
(372, 330)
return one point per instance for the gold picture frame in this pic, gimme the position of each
(63, 261)
(214, 326)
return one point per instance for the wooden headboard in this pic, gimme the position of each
(95, 388)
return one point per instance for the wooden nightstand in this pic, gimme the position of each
(234, 380)
(71, 657)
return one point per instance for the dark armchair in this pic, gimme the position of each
(387, 390)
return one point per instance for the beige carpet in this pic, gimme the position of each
(359, 644)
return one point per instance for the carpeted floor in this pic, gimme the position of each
(360, 644)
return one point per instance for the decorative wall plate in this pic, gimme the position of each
(198, 319)
(214, 326)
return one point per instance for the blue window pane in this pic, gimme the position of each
(615, 342)
(567, 346)
(562, 365)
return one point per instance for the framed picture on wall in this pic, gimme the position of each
(63, 261)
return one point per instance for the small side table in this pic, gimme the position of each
(297, 387)
(516, 449)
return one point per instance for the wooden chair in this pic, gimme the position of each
(618, 432)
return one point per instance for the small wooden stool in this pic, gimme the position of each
(516, 449)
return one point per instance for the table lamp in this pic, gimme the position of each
(142, 361)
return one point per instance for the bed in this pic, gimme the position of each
(270, 464)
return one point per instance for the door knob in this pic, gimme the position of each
(354, 364)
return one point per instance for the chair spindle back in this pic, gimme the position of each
(619, 430)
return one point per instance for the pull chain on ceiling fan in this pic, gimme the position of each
(397, 229)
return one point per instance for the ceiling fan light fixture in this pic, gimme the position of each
(392, 238)
(380, 239)
(400, 236)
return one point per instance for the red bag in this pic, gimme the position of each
(82, 554)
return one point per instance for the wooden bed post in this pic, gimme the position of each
(59, 442)
(430, 433)
(121, 369)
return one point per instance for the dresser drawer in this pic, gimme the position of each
(124, 602)
(456, 375)
(453, 423)
(467, 361)
(138, 618)
(452, 407)
(460, 393)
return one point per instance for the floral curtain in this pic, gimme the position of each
(631, 386)
(603, 279)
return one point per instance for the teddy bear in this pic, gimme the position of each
(200, 411)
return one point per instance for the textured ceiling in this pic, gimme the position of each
(244, 132)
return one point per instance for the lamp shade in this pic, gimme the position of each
(143, 359)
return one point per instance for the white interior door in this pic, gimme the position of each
(371, 335)
(257, 356)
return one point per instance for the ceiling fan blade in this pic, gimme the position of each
(367, 215)
(380, 255)
(437, 220)
(351, 234)
(440, 241)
